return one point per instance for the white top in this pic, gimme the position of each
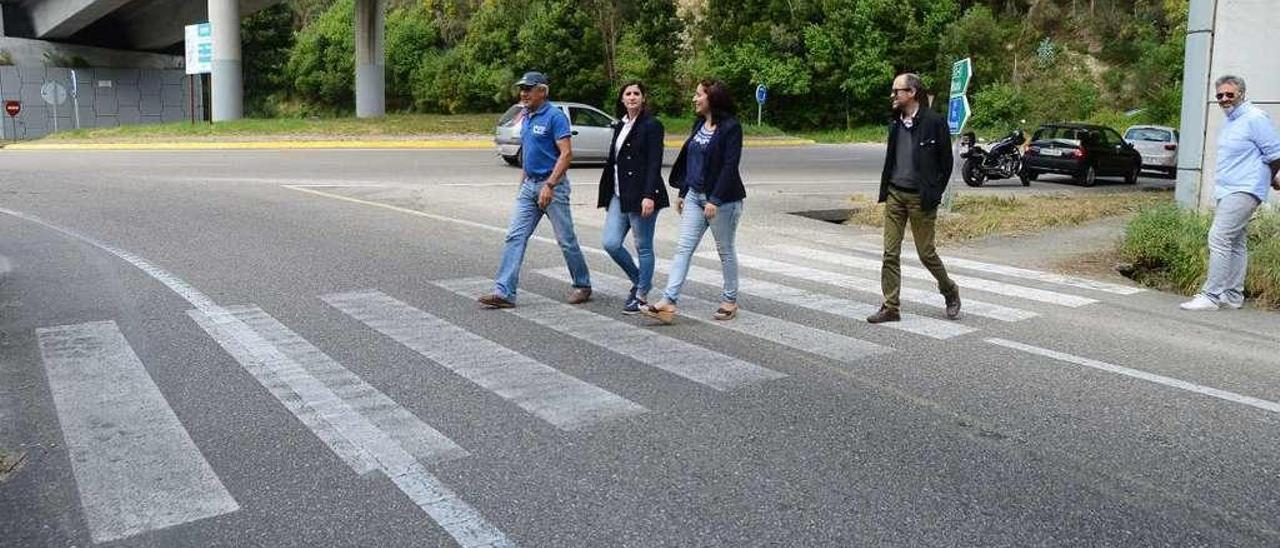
(627, 122)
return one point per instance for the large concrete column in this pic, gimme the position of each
(227, 86)
(1223, 37)
(371, 86)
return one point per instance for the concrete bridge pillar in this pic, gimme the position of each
(227, 79)
(1223, 37)
(371, 101)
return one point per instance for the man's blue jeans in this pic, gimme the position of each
(524, 219)
(693, 224)
(616, 224)
(1228, 256)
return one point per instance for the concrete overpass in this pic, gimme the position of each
(157, 26)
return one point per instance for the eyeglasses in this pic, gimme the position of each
(895, 91)
(1225, 95)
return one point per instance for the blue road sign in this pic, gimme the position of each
(762, 93)
(958, 113)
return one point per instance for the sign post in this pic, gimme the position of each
(199, 46)
(75, 97)
(762, 94)
(12, 108)
(54, 94)
(958, 113)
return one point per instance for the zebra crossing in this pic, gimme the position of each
(373, 434)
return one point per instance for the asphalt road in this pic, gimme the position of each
(282, 348)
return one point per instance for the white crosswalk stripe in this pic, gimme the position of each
(838, 306)
(560, 399)
(136, 467)
(931, 298)
(701, 365)
(299, 391)
(968, 282)
(422, 441)
(1016, 272)
(799, 337)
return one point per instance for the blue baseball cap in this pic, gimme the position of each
(533, 78)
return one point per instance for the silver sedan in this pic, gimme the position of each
(592, 132)
(1158, 146)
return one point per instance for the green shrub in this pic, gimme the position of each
(1000, 106)
(1168, 247)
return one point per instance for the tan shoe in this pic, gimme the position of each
(885, 314)
(727, 311)
(579, 295)
(663, 311)
(493, 300)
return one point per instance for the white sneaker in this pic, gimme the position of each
(1200, 302)
(1233, 305)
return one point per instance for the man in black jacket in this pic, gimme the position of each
(916, 170)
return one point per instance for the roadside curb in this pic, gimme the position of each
(333, 144)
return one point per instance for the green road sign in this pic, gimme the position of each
(961, 71)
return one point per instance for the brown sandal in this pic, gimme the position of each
(727, 311)
(663, 311)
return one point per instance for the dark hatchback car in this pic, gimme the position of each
(1083, 151)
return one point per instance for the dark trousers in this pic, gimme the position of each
(900, 209)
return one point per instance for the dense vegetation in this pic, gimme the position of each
(827, 63)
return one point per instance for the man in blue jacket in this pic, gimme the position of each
(916, 170)
(544, 189)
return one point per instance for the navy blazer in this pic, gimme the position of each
(931, 159)
(638, 165)
(720, 172)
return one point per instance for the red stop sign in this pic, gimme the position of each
(12, 108)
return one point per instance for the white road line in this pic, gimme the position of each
(422, 441)
(136, 467)
(562, 400)
(271, 367)
(698, 364)
(464, 524)
(1151, 377)
(990, 286)
(971, 306)
(846, 308)
(835, 346)
(1015, 272)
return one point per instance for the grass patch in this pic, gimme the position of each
(977, 216)
(1168, 248)
(396, 125)
(861, 134)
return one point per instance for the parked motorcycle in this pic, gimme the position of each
(999, 160)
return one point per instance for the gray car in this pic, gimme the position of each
(1158, 146)
(592, 132)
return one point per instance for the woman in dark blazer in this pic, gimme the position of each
(632, 191)
(711, 194)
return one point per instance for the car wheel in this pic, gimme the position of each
(1131, 178)
(971, 174)
(1025, 176)
(1088, 177)
(1032, 175)
(511, 160)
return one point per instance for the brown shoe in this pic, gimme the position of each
(493, 300)
(885, 314)
(663, 311)
(727, 311)
(579, 295)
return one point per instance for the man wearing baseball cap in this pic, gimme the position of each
(544, 189)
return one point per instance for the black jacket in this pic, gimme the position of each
(639, 166)
(932, 158)
(721, 169)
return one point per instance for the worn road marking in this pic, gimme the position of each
(968, 282)
(1150, 377)
(560, 399)
(693, 362)
(136, 467)
(835, 346)
(416, 437)
(931, 298)
(1015, 272)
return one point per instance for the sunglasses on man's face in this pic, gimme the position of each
(1225, 95)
